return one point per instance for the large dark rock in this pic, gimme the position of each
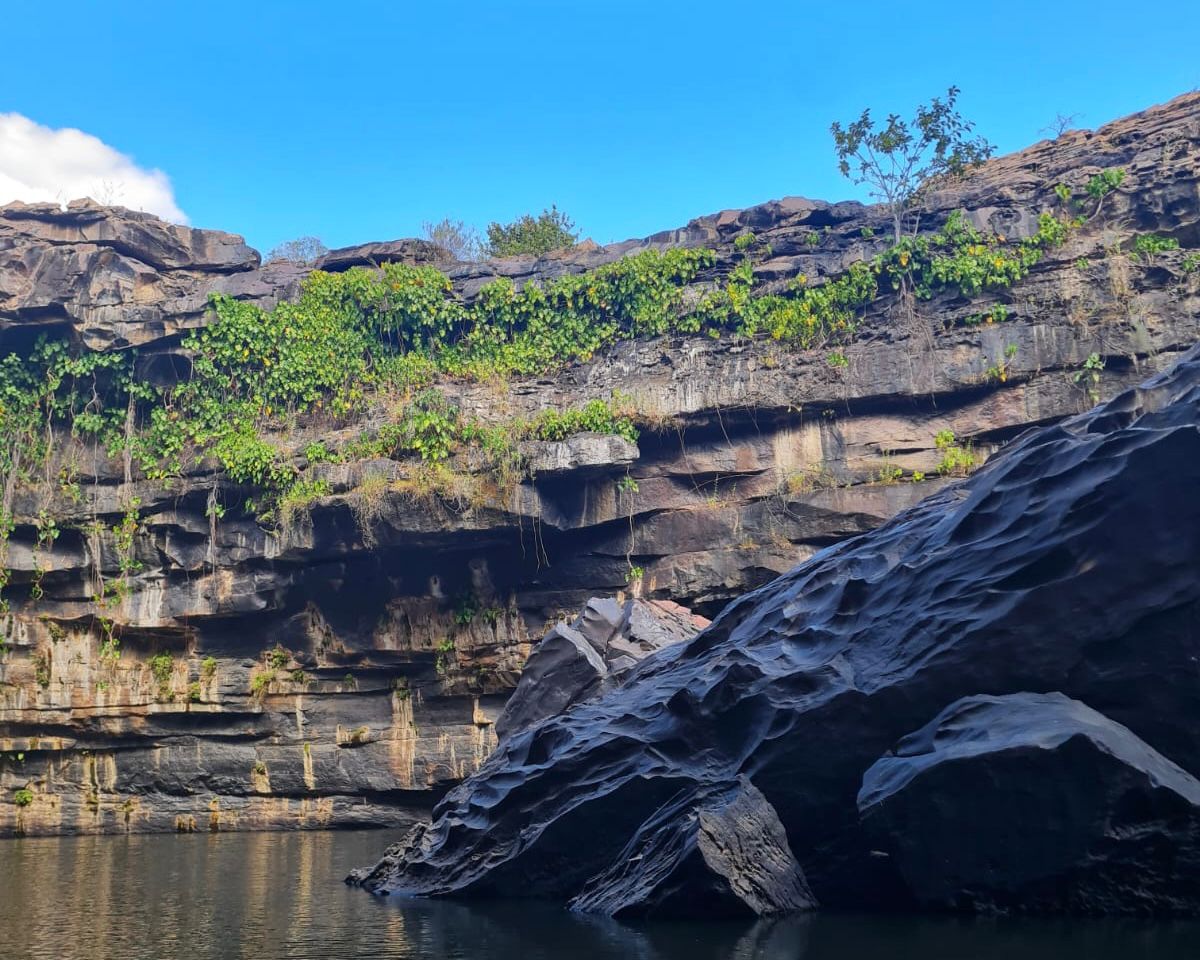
(1069, 562)
(755, 456)
(574, 663)
(716, 851)
(410, 251)
(1038, 802)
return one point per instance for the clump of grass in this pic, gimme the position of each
(260, 683)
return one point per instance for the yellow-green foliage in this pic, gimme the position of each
(350, 336)
(957, 460)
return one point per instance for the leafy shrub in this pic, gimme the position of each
(898, 158)
(260, 683)
(41, 670)
(957, 460)
(596, 416)
(549, 230)
(162, 667)
(1148, 246)
(429, 426)
(1105, 182)
(22, 796)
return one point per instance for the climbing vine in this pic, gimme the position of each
(350, 338)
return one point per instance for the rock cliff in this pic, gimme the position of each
(348, 667)
(988, 703)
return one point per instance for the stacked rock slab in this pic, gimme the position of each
(717, 851)
(576, 662)
(753, 457)
(1068, 564)
(1039, 802)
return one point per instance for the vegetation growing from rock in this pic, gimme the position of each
(456, 237)
(391, 337)
(549, 230)
(302, 250)
(898, 159)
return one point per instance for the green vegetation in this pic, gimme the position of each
(457, 238)
(1105, 182)
(208, 668)
(260, 683)
(899, 158)
(302, 250)
(957, 460)
(888, 473)
(466, 606)
(162, 667)
(1147, 246)
(390, 339)
(445, 653)
(1088, 376)
(299, 496)
(550, 230)
(278, 657)
(41, 670)
(23, 796)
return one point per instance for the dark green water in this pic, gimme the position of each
(269, 896)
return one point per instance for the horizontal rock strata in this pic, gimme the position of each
(1066, 564)
(349, 667)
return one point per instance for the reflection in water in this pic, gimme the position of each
(270, 896)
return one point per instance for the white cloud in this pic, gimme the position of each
(38, 163)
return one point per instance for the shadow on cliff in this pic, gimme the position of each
(1013, 660)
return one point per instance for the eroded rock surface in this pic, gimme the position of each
(404, 620)
(1068, 563)
(717, 851)
(574, 663)
(1036, 802)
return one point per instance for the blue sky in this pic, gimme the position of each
(357, 121)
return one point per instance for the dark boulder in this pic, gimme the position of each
(714, 851)
(573, 663)
(1037, 802)
(410, 251)
(1068, 562)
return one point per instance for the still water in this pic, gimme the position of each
(280, 895)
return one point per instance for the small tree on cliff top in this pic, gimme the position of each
(302, 250)
(461, 240)
(549, 230)
(898, 159)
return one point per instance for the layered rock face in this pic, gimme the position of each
(1060, 580)
(574, 663)
(349, 667)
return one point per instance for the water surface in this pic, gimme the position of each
(270, 896)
